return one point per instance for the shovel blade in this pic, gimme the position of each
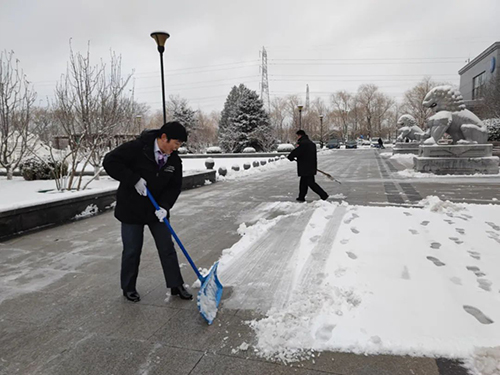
(210, 295)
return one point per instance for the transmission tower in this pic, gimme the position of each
(307, 96)
(264, 85)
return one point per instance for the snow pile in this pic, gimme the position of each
(89, 211)
(370, 280)
(292, 334)
(434, 204)
(484, 361)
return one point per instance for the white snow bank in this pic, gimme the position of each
(370, 280)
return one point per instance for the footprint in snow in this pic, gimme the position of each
(424, 223)
(344, 241)
(493, 225)
(407, 213)
(351, 255)
(456, 240)
(460, 230)
(315, 238)
(493, 235)
(413, 231)
(456, 280)
(324, 333)
(485, 284)
(435, 245)
(478, 314)
(354, 230)
(348, 221)
(475, 255)
(476, 271)
(436, 261)
(449, 221)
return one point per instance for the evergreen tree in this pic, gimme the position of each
(178, 110)
(244, 122)
(226, 128)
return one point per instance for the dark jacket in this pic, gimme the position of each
(305, 153)
(133, 160)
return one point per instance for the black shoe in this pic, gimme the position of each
(132, 296)
(181, 292)
(325, 197)
(300, 200)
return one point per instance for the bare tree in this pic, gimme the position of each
(413, 98)
(342, 104)
(16, 100)
(374, 107)
(490, 102)
(91, 107)
(207, 129)
(278, 116)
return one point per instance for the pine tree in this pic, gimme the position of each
(244, 122)
(226, 128)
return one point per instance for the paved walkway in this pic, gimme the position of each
(61, 309)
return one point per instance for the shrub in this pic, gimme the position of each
(248, 150)
(285, 147)
(36, 169)
(493, 125)
(182, 150)
(214, 150)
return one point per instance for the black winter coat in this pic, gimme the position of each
(305, 153)
(133, 160)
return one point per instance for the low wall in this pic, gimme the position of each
(22, 220)
(241, 155)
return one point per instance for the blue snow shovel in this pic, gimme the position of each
(211, 289)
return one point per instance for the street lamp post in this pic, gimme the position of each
(321, 130)
(161, 37)
(300, 115)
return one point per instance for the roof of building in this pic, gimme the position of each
(480, 57)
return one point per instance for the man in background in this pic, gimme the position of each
(307, 165)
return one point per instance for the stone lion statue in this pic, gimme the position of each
(409, 129)
(452, 118)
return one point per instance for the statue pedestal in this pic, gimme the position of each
(456, 159)
(405, 148)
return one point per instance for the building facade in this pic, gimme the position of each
(477, 73)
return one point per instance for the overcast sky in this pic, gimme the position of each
(331, 45)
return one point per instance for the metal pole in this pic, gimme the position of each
(300, 118)
(162, 85)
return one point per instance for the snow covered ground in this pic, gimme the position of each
(376, 280)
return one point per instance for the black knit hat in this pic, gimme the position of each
(174, 130)
(301, 132)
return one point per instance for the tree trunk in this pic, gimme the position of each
(10, 173)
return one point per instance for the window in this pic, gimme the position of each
(477, 85)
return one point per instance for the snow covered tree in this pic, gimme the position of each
(227, 133)
(251, 123)
(178, 110)
(16, 101)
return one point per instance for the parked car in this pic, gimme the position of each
(333, 143)
(351, 144)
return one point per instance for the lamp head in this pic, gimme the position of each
(160, 38)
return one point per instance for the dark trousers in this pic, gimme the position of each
(309, 182)
(132, 238)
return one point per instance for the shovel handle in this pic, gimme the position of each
(176, 238)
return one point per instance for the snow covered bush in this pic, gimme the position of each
(248, 150)
(37, 169)
(493, 125)
(182, 150)
(285, 147)
(214, 150)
